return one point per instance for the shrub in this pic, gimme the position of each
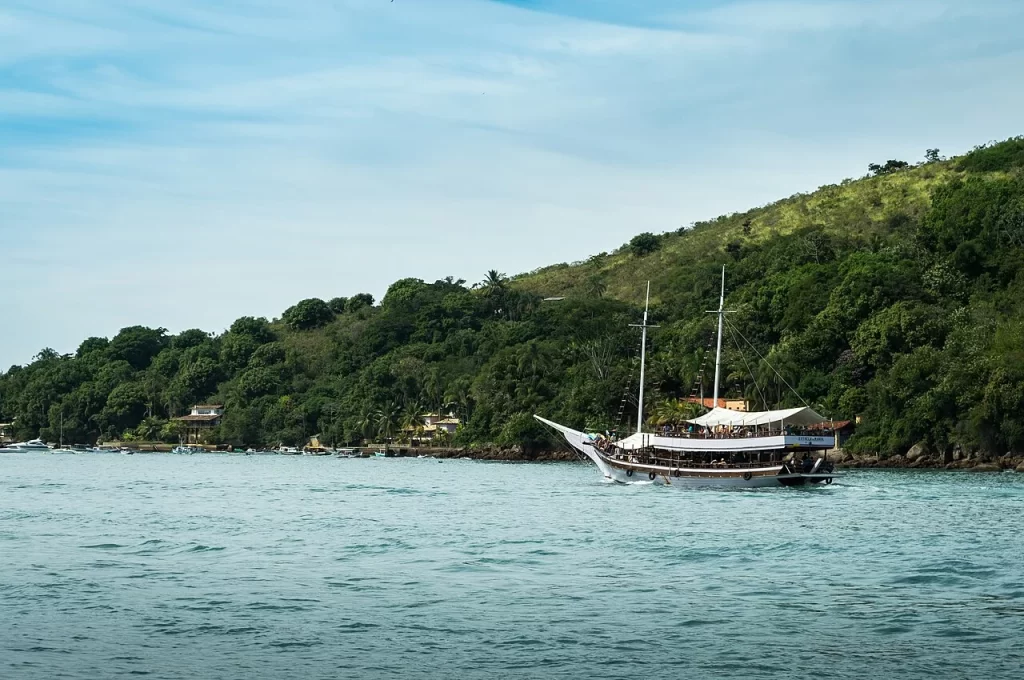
(644, 244)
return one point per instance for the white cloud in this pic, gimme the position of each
(277, 149)
(770, 16)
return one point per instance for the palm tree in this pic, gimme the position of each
(674, 412)
(533, 361)
(459, 395)
(495, 290)
(412, 418)
(368, 424)
(386, 418)
(494, 281)
(434, 390)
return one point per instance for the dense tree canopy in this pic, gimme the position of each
(898, 298)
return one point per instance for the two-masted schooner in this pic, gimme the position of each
(722, 448)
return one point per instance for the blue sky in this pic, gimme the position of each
(180, 164)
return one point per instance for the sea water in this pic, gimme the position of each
(218, 566)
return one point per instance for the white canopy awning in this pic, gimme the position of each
(789, 416)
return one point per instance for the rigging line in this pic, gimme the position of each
(785, 382)
(744, 357)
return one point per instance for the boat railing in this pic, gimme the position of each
(745, 433)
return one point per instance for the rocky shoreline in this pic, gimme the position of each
(920, 457)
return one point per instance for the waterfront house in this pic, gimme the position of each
(842, 429)
(709, 403)
(6, 433)
(198, 423)
(433, 425)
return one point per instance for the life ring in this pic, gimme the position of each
(629, 472)
(828, 480)
(651, 475)
(677, 473)
(747, 476)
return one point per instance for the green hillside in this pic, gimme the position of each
(896, 298)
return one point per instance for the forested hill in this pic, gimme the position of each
(898, 298)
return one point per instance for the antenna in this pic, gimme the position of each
(643, 359)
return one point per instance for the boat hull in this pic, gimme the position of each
(624, 472)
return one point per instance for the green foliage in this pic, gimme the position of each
(890, 167)
(644, 244)
(357, 302)
(898, 298)
(308, 314)
(256, 328)
(92, 345)
(522, 430)
(137, 345)
(190, 338)
(337, 304)
(1003, 156)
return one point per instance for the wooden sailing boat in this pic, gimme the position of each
(722, 448)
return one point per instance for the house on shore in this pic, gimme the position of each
(709, 403)
(842, 429)
(6, 433)
(198, 423)
(433, 425)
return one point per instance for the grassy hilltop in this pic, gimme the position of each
(898, 298)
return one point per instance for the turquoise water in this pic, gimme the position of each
(270, 567)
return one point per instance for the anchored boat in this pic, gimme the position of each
(722, 448)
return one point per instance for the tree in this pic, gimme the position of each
(494, 281)
(196, 381)
(386, 419)
(644, 244)
(412, 418)
(125, 407)
(190, 338)
(257, 382)
(337, 304)
(137, 345)
(92, 345)
(890, 167)
(401, 292)
(357, 302)
(932, 156)
(256, 328)
(308, 314)
(367, 425)
(524, 431)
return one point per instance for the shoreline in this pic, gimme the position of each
(915, 459)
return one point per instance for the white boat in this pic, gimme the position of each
(289, 451)
(723, 448)
(187, 450)
(24, 447)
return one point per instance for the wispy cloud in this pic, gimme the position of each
(274, 149)
(764, 16)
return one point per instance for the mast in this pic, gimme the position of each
(718, 354)
(643, 360)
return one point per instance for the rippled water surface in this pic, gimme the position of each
(260, 566)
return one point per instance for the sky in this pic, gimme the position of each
(181, 164)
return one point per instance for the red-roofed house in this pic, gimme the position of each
(709, 403)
